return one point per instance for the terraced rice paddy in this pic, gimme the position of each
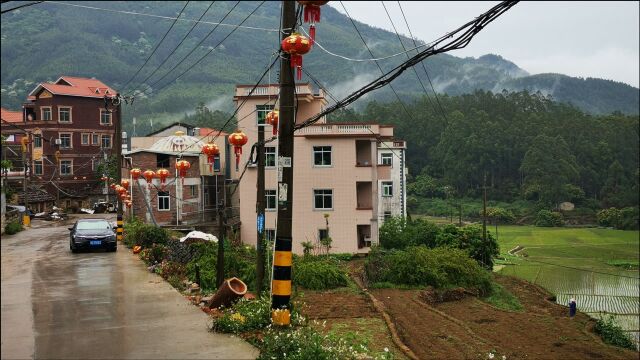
(573, 262)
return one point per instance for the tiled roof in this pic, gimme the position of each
(11, 116)
(35, 195)
(76, 86)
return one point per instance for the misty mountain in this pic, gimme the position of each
(42, 42)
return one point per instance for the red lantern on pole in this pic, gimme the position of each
(125, 184)
(112, 186)
(183, 166)
(296, 45)
(272, 119)
(211, 150)
(149, 175)
(237, 139)
(104, 178)
(312, 15)
(135, 173)
(127, 203)
(162, 174)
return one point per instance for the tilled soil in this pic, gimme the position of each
(335, 305)
(470, 328)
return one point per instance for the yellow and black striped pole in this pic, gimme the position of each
(281, 282)
(120, 229)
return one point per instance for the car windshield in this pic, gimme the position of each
(93, 225)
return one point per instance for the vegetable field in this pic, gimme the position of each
(577, 263)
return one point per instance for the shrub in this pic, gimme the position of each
(608, 217)
(613, 334)
(623, 219)
(470, 238)
(147, 235)
(500, 215)
(318, 274)
(421, 266)
(245, 315)
(154, 255)
(13, 227)
(548, 218)
(398, 233)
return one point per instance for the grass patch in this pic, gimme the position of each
(613, 334)
(625, 264)
(13, 227)
(319, 274)
(502, 299)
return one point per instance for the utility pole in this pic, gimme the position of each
(484, 209)
(221, 236)
(260, 205)
(281, 281)
(117, 116)
(26, 219)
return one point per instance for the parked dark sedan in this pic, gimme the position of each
(92, 234)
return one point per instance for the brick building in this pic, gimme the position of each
(70, 128)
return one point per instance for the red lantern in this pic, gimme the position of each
(183, 166)
(104, 178)
(272, 119)
(162, 174)
(135, 174)
(312, 15)
(120, 190)
(296, 45)
(125, 184)
(149, 175)
(211, 150)
(127, 203)
(237, 139)
(123, 196)
(112, 186)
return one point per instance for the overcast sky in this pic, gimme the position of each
(585, 39)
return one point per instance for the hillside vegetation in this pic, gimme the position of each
(44, 41)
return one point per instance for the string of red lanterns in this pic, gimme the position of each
(312, 15)
(238, 139)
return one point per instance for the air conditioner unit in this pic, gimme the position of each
(57, 141)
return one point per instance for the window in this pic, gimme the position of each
(65, 141)
(66, 167)
(45, 113)
(37, 167)
(194, 190)
(95, 138)
(105, 117)
(387, 215)
(85, 139)
(37, 141)
(387, 159)
(162, 161)
(269, 234)
(322, 155)
(163, 201)
(261, 112)
(323, 199)
(323, 234)
(387, 188)
(106, 141)
(270, 199)
(270, 156)
(64, 114)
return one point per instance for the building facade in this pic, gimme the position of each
(345, 181)
(70, 127)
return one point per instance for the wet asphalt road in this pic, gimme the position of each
(59, 305)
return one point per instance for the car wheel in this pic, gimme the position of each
(113, 249)
(73, 249)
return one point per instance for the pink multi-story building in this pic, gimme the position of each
(351, 176)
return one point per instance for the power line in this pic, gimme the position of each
(21, 6)
(158, 16)
(424, 67)
(196, 47)
(179, 44)
(156, 48)
(463, 36)
(377, 64)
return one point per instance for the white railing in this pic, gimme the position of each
(339, 129)
(272, 90)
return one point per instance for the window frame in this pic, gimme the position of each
(106, 136)
(70, 167)
(37, 139)
(41, 165)
(270, 194)
(161, 198)
(322, 152)
(103, 110)
(70, 140)
(320, 231)
(82, 135)
(274, 154)
(387, 188)
(42, 109)
(268, 237)
(70, 121)
(193, 190)
(263, 110)
(96, 137)
(324, 196)
(388, 156)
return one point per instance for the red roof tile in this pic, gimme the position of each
(76, 86)
(11, 116)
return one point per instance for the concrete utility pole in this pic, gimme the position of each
(118, 145)
(260, 205)
(484, 209)
(26, 219)
(281, 281)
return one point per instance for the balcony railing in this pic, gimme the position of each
(336, 129)
(271, 90)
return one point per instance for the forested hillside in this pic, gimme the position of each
(43, 41)
(528, 147)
